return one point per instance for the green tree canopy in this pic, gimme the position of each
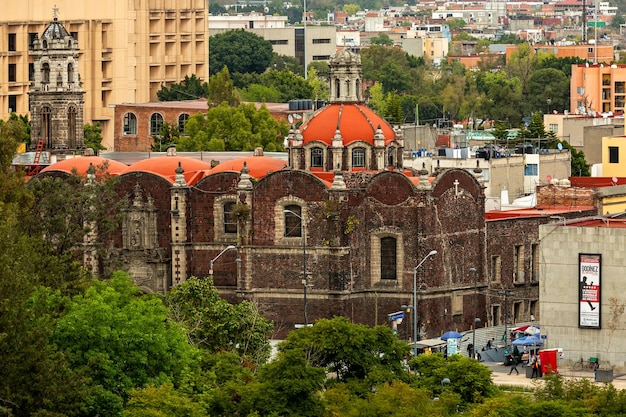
(93, 136)
(121, 340)
(241, 128)
(222, 89)
(214, 324)
(190, 88)
(381, 39)
(239, 51)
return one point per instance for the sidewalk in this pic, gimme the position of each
(500, 376)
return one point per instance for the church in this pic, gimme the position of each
(339, 228)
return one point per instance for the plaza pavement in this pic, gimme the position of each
(500, 376)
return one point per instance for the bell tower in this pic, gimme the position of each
(346, 78)
(56, 96)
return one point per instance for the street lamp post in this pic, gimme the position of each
(304, 277)
(431, 253)
(227, 248)
(474, 319)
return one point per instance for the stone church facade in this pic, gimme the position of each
(337, 229)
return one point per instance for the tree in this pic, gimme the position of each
(468, 378)
(190, 88)
(121, 340)
(456, 24)
(239, 51)
(67, 210)
(381, 39)
(393, 108)
(353, 353)
(160, 401)
(351, 9)
(290, 85)
(93, 136)
(241, 128)
(166, 137)
(213, 324)
(222, 89)
(12, 132)
(548, 89)
(377, 98)
(285, 62)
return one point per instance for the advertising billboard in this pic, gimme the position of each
(589, 286)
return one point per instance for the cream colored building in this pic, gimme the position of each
(128, 50)
(564, 319)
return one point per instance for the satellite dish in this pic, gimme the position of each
(560, 146)
(614, 180)
(297, 116)
(290, 118)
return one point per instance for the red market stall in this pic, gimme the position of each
(549, 361)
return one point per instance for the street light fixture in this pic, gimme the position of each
(304, 277)
(227, 248)
(475, 272)
(431, 253)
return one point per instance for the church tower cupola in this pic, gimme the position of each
(346, 78)
(56, 95)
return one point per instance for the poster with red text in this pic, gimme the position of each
(589, 284)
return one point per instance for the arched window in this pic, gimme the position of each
(230, 222)
(70, 73)
(130, 124)
(293, 221)
(45, 44)
(182, 122)
(46, 125)
(45, 73)
(358, 158)
(388, 258)
(317, 158)
(156, 121)
(391, 156)
(337, 88)
(71, 127)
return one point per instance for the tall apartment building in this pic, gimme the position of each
(127, 50)
(598, 89)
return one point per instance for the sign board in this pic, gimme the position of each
(395, 316)
(589, 286)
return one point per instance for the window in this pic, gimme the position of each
(279, 42)
(156, 121)
(391, 156)
(32, 37)
(517, 312)
(613, 155)
(496, 269)
(71, 127)
(182, 122)
(70, 73)
(358, 157)
(45, 76)
(12, 73)
(317, 158)
(518, 265)
(130, 124)
(534, 262)
(388, 258)
(580, 90)
(12, 43)
(321, 57)
(293, 221)
(31, 72)
(496, 315)
(316, 41)
(12, 104)
(531, 170)
(230, 222)
(554, 127)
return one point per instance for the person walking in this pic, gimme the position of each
(534, 363)
(514, 361)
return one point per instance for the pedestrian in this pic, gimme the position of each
(488, 344)
(517, 355)
(470, 350)
(534, 363)
(513, 361)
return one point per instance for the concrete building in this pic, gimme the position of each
(598, 89)
(127, 50)
(582, 301)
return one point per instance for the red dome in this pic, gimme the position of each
(81, 165)
(165, 166)
(259, 166)
(356, 123)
